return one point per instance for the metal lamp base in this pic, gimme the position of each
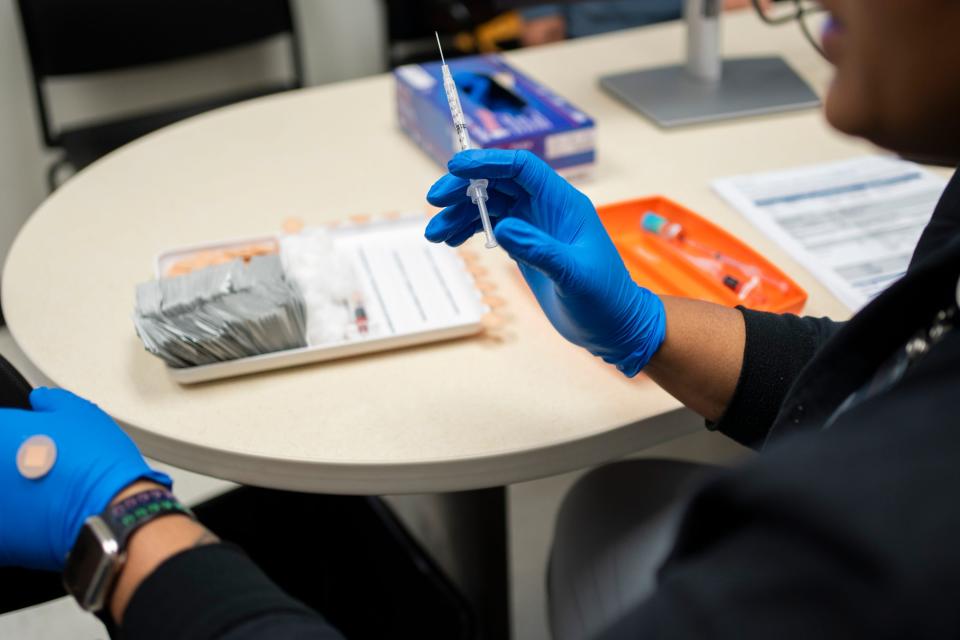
(671, 97)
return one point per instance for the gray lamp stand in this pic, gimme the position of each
(709, 88)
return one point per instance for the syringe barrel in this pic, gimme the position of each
(456, 111)
(478, 194)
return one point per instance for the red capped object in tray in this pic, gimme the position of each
(673, 251)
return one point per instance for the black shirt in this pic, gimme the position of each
(216, 591)
(845, 532)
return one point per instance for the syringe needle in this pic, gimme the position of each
(439, 46)
(477, 191)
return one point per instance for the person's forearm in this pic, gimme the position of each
(699, 362)
(150, 546)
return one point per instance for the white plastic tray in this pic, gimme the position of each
(415, 292)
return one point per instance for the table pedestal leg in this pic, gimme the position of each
(466, 533)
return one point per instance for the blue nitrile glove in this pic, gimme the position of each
(40, 519)
(553, 232)
(482, 90)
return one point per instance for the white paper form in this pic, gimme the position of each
(853, 224)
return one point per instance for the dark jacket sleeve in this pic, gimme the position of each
(777, 348)
(216, 591)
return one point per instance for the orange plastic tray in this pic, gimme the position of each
(656, 262)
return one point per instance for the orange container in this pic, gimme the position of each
(697, 260)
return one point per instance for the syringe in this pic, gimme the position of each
(478, 188)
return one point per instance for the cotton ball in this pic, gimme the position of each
(312, 261)
(326, 280)
(327, 322)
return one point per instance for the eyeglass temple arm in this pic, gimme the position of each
(758, 7)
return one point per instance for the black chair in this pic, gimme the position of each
(71, 37)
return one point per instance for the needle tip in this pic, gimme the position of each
(439, 46)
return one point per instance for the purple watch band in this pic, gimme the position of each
(133, 512)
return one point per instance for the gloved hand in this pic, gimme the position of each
(40, 519)
(567, 258)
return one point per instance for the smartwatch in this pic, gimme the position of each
(100, 551)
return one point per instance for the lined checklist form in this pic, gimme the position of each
(853, 224)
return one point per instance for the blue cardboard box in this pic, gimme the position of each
(503, 108)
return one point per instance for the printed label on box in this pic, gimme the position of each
(560, 145)
(416, 76)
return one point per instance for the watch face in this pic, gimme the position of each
(91, 565)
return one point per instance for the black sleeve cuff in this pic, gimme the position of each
(203, 593)
(777, 348)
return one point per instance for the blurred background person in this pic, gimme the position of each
(554, 22)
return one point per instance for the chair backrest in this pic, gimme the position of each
(69, 37)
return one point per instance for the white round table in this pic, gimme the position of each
(515, 404)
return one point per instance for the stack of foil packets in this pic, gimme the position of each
(224, 312)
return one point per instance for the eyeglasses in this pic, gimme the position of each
(809, 13)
